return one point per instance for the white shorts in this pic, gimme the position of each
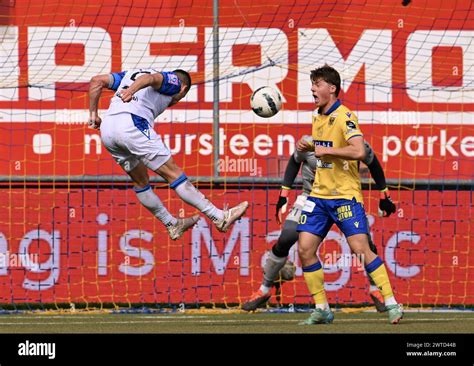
(295, 212)
(129, 144)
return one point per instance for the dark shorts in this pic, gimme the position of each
(319, 215)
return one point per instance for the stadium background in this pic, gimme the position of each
(71, 229)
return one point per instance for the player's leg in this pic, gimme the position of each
(116, 131)
(313, 226)
(375, 268)
(112, 130)
(223, 219)
(176, 227)
(148, 146)
(276, 260)
(351, 219)
(147, 197)
(374, 291)
(279, 254)
(314, 278)
(277, 257)
(308, 244)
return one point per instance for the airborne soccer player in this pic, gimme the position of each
(127, 133)
(336, 195)
(306, 160)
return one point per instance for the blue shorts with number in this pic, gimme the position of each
(319, 215)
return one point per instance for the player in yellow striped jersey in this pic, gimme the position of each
(277, 266)
(336, 195)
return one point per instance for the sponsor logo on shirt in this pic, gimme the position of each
(173, 79)
(322, 143)
(351, 125)
(320, 163)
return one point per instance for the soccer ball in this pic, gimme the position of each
(265, 101)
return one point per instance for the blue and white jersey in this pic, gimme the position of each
(148, 102)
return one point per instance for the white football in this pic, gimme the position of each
(265, 101)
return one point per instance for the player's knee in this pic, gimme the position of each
(140, 183)
(288, 237)
(359, 251)
(169, 175)
(361, 248)
(305, 253)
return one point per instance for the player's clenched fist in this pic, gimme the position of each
(304, 145)
(94, 122)
(126, 95)
(386, 205)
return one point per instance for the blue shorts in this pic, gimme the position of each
(319, 215)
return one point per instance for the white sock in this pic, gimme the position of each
(390, 301)
(324, 306)
(189, 194)
(265, 289)
(152, 203)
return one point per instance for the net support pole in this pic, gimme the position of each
(216, 75)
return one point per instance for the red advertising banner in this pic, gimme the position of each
(405, 69)
(425, 152)
(100, 245)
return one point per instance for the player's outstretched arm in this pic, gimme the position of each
(355, 150)
(144, 81)
(96, 85)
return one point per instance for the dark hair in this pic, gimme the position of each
(184, 77)
(329, 75)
